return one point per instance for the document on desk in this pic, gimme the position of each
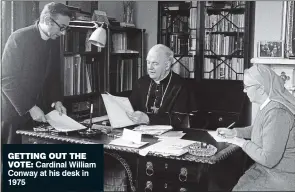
(63, 123)
(129, 138)
(116, 108)
(216, 137)
(169, 147)
(154, 130)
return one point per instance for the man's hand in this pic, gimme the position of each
(236, 141)
(138, 117)
(37, 114)
(60, 108)
(226, 133)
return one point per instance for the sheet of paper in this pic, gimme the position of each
(97, 119)
(116, 108)
(154, 130)
(216, 137)
(63, 122)
(173, 147)
(126, 143)
(133, 136)
(171, 134)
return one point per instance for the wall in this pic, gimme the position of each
(268, 26)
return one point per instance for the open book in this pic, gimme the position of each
(116, 108)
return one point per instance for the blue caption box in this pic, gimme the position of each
(65, 167)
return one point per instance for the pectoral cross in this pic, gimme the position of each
(154, 109)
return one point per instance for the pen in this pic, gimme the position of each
(231, 125)
(228, 127)
(91, 111)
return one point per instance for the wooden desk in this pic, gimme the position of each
(158, 173)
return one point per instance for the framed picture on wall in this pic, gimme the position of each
(270, 49)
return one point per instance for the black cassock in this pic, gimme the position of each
(166, 102)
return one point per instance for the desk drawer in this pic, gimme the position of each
(160, 174)
(177, 171)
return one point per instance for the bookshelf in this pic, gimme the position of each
(211, 40)
(89, 71)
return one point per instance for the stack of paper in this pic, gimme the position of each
(172, 134)
(129, 139)
(169, 147)
(63, 123)
(154, 130)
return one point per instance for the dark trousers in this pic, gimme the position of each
(11, 125)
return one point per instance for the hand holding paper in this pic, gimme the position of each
(62, 122)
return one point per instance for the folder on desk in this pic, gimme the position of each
(116, 108)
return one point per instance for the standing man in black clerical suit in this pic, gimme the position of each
(27, 66)
(161, 97)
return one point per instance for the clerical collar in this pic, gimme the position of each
(164, 79)
(44, 36)
(264, 103)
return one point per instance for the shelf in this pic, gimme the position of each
(126, 55)
(177, 12)
(226, 56)
(180, 55)
(125, 29)
(226, 33)
(85, 95)
(217, 11)
(273, 61)
(176, 33)
(82, 53)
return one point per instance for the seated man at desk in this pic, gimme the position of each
(160, 97)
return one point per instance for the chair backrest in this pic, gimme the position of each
(218, 103)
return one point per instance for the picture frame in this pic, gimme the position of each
(270, 49)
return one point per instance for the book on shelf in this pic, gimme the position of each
(78, 75)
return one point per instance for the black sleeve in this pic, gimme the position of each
(134, 97)
(14, 79)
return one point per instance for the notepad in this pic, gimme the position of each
(117, 107)
(63, 123)
(216, 137)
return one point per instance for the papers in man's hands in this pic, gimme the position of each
(169, 147)
(63, 123)
(216, 137)
(129, 139)
(154, 130)
(116, 108)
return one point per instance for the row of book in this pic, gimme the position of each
(223, 45)
(227, 4)
(223, 69)
(79, 75)
(228, 23)
(175, 24)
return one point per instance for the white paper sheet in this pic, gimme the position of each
(216, 137)
(154, 130)
(97, 119)
(63, 122)
(169, 147)
(116, 108)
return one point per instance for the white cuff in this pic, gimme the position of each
(53, 105)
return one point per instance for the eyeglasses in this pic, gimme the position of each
(61, 28)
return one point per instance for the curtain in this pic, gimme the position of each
(16, 15)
